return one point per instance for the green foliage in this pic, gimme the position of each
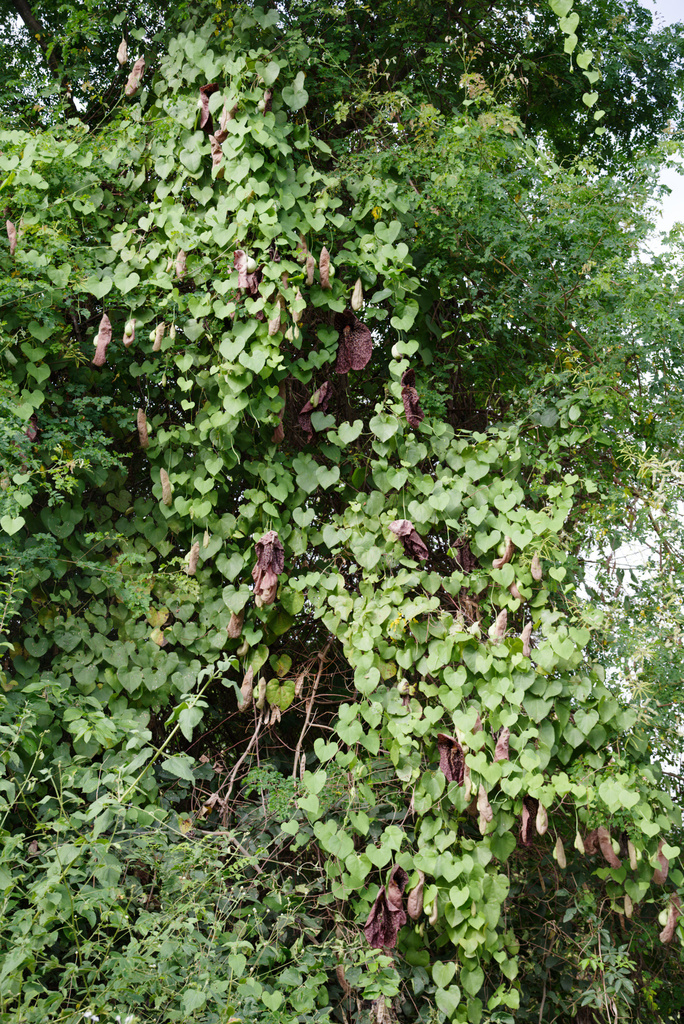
(208, 777)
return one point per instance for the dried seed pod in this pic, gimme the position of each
(135, 77)
(357, 296)
(166, 486)
(629, 906)
(261, 693)
(122, 52)
(632, 855)
(387, 913)
(158, 335)
(660, 874)
(591, 843)
(12, 237)
(542, 821)
(181, 265)
(559, 853)
(324, 268)
(409, 396)
(413, 543)
(299, 684)
(217, 169)
(274, 324)
(310, 267)
(485, 809)
(129, 333)
(296, 309)
(247, 689)
(143, 436)
(276, 714)
(234, 627)
(193, 558)
(525, 636)
(467, 784)
(606, 847)
(514, 592)
(269, 565)
(104, 336)
(536, 567)
(529, 815)
(509, 548)
(673, 915)
(579, 844)
(414, 902)
(451, 758)
(342, 979)
(500, 625)
(501, 752)
(355, 343)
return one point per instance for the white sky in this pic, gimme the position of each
(673, 205)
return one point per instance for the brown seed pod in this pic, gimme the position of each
(247, 690)
(310, 267)
(529, 816)
(542, 821)
(274, 324)
(122, 52)
(299, 684)
(514, 592)
(193, 558)
(591, 843)
(357, 296)
(673, 915)
(135, 77)
(414, 902)
(342, 979)
(451, 758)
(181, 265)
(166, 486)
(276, 714)
(536, 567)
(525, 636)
(467, 784)
(409, 396)
(632, 855)
(500, 625)
(12, 237)
(143, 436)
(606, 847)
(501, 752)
(414, 545)
(485, 809)
(324, 268)
(261, 693)
(559, 853)
(509, 548)
(129, 333)
(269, 565)
(234, 627)
(104, 336)
(629, 906)
(158, 335)
(660, 874)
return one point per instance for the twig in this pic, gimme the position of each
(233, 774)
(309, 707)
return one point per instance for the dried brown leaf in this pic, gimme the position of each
(310, 267)
(217, 169)
(529, 816)
(12, 236)
(261, 693)
(485, 809)
(193, 558)
(181, 265)
(660, 874)
(500, 625)
(226, 116)
(206, 122)
(234, 627)
(158, 335)
(606, 847)
(247, 689)
(342, 979)
(269, 565)
(122, 52)
(536, 567)
(525, 636)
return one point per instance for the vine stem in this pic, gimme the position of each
(309, 707)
